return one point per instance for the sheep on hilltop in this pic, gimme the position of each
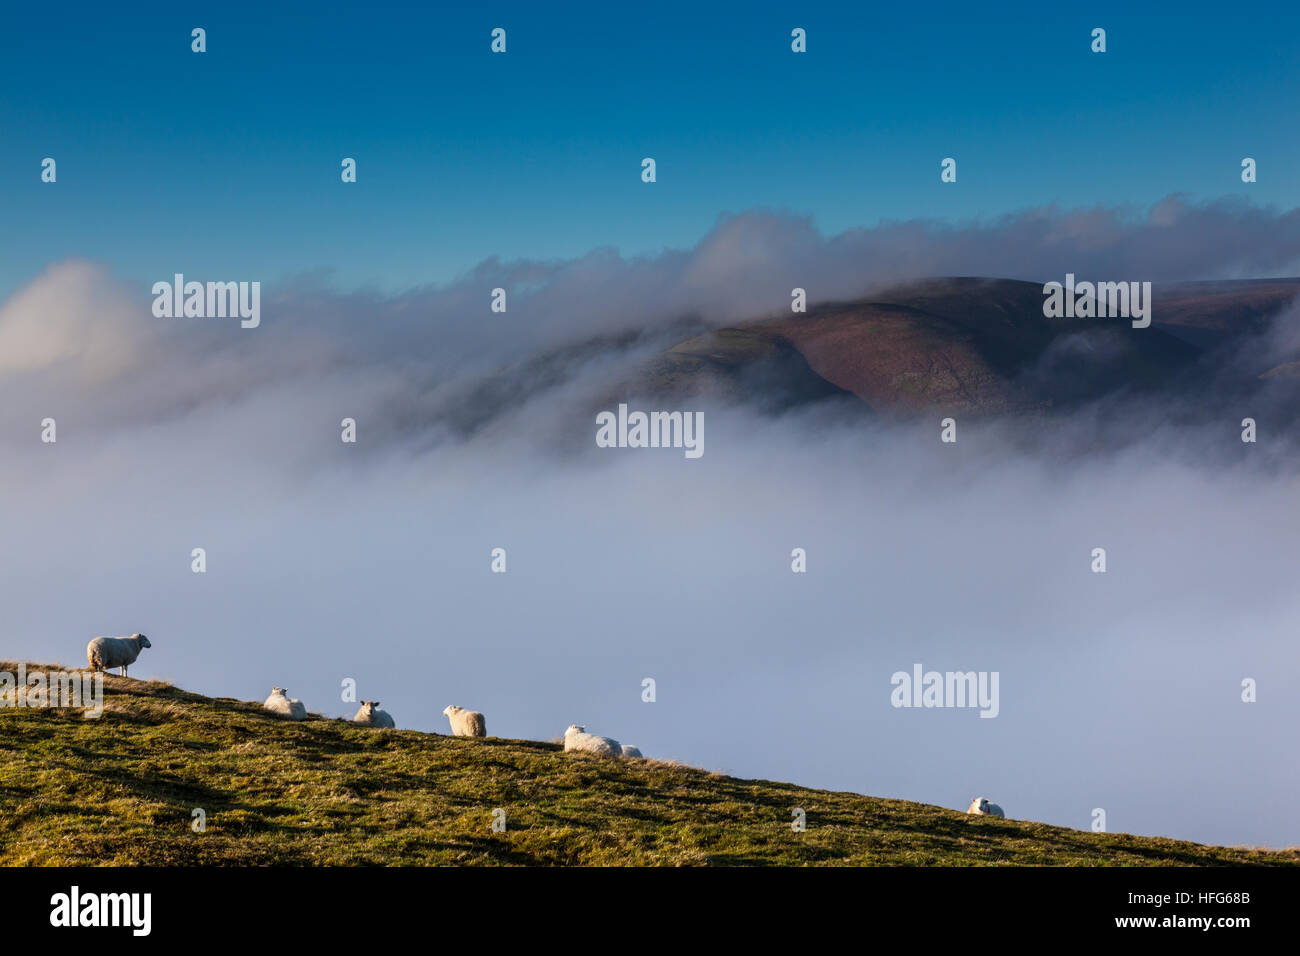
(282, 704)
(105, 652)
(371, 716)
(980, 806)
(465, 723)
(577, 739)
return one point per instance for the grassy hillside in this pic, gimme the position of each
(120, 790)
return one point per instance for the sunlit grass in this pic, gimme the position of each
(122, 789)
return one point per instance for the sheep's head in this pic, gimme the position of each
(575, 729)
(144, 641)
(449, 710)
(278, 690)
(984, 804)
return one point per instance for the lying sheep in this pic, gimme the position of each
(371, 716)
(106, 652)
(576, 738)
(281, 703)
(630, 751)
(465, 723)
(981, 807)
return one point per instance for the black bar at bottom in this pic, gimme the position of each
(218, 905)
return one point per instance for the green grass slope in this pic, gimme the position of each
(121, 790)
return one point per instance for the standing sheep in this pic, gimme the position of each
(980, 806)
(465, 723)
(630, 751)
(577, 739)
(371, 716)
(281, 703)
(105, 652)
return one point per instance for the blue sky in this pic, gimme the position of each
(227, 163)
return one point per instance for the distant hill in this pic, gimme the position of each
(121, 790)
(969, 345)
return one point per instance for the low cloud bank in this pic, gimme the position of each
(372, 561)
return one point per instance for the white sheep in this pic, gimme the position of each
(980, 806)
(630, 751)
(371, 716)
(576, 738)
(106, 652)
(281, 703)
(465, 723)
